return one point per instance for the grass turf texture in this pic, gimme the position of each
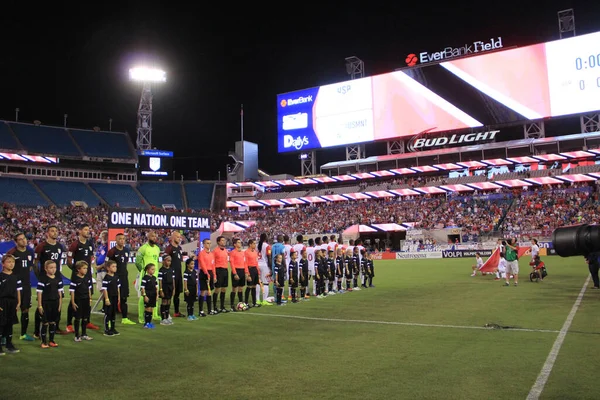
(247, 355)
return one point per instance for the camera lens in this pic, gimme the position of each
(576, 240)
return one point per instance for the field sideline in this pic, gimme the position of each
(419, 334)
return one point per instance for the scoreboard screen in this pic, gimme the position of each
(155, 164)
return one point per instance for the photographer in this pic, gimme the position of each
(594, 266)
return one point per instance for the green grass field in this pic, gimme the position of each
(366, 344)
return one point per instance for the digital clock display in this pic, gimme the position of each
(574, 74)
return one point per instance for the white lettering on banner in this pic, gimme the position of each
(418, 142)
(418, 255)
(141, 219)
(298, 142)
(300, 100)
(450, 52)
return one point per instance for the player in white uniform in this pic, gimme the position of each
(288, 259)
(264, 256)
(478, 264)
(362, 278)
(299, 247)
(310, 255)
(501, 272)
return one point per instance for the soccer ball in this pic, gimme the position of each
(241, 306)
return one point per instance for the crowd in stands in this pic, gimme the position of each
(511, 210)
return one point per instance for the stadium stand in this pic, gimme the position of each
(159, 193)
(121, 195)
(20, 192)
(7, 140)
(199, 195)
(62, 193)
(103, 144)
(45, 139)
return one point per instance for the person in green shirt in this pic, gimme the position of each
(512, 261)
(147, 254)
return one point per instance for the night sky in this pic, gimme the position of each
(75, 61)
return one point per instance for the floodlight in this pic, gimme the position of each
(143, 74)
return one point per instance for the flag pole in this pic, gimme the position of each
(242, 123)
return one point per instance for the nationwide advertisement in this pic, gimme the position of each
(463, 95)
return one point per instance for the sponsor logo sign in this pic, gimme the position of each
(419, 142)
(451, 52)
(465, 253)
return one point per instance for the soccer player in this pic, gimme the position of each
(149, 294)
(10, 302)
(279, 282)
(303, 270)
(332, 243)
(24, 257)
(361, 249)
(322, 271)
(370, 269)
(47, 250)
(174, 250)
(190, 288)
(251, 256)
(310, 256)
(239, 273)
(81, 299)
(348, 268)
(277, 248)
(478, 264)
(287, 260)
(264, 266)
(330, 271)
(293, 275)
(110, 293)
(49, 294)
(101, 251)
(80, 250)
(166, 288)
(356, 262)
(147, 254)
(120, 255)
(222, 283)
(512, 262)
(206, 279)
(339, 268)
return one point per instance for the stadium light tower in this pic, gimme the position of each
(148, 77)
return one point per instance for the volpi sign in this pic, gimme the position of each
(419, 142)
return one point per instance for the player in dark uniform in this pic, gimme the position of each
(280, 271)
(348, 269)
(303, 270)
(356, 260)
(370, 269)
(149, 292)
(323, 269)
(174, 250)
(166, 287)
(293, 274)
(81, 299)
(47, 250)
(10, 298)
(50, 294)
(331, 271)
(339, 268)
(24, 257)
(190, 288)
(120, 255)
(80, 250)
(110, 292)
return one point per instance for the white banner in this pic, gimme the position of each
(418, 255)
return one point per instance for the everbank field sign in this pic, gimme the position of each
(478, 46)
